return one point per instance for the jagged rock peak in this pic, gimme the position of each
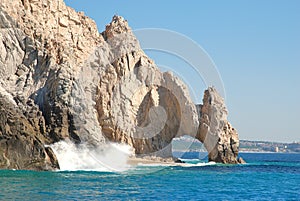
(67, 35)
(213, 97)
(118, 25)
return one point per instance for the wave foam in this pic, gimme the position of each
(105, 158)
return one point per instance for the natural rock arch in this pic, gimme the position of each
(67, 80)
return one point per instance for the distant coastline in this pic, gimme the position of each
(186, 144)
(269, 147)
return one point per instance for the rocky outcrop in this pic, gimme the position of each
(41, 46)
(22, 138)
(137, 104)
(218, 136)
(60, 78)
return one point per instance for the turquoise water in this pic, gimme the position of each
(265, 177)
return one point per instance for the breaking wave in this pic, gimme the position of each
(110, 157)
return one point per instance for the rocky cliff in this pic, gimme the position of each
(62, 79)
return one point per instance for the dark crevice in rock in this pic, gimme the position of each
(72, 129)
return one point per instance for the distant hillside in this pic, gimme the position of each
(187, 143)
(263, 146)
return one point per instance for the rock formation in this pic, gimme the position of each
(218, 136)
(40, 56)
(60, 78)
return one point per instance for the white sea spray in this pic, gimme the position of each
(110, 157)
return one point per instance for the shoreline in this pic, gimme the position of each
(135, 161)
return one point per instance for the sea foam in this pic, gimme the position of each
(110, 157)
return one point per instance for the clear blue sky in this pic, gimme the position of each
(254, 44)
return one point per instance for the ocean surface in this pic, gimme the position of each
(271, 176)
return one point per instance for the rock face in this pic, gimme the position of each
(39, 59)
(60, 78)
(22, 138)
(219, 137)
(135, 103)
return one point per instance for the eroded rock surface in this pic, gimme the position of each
(219, 137)
(22, 138)
(41, 46)
(60, 78)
